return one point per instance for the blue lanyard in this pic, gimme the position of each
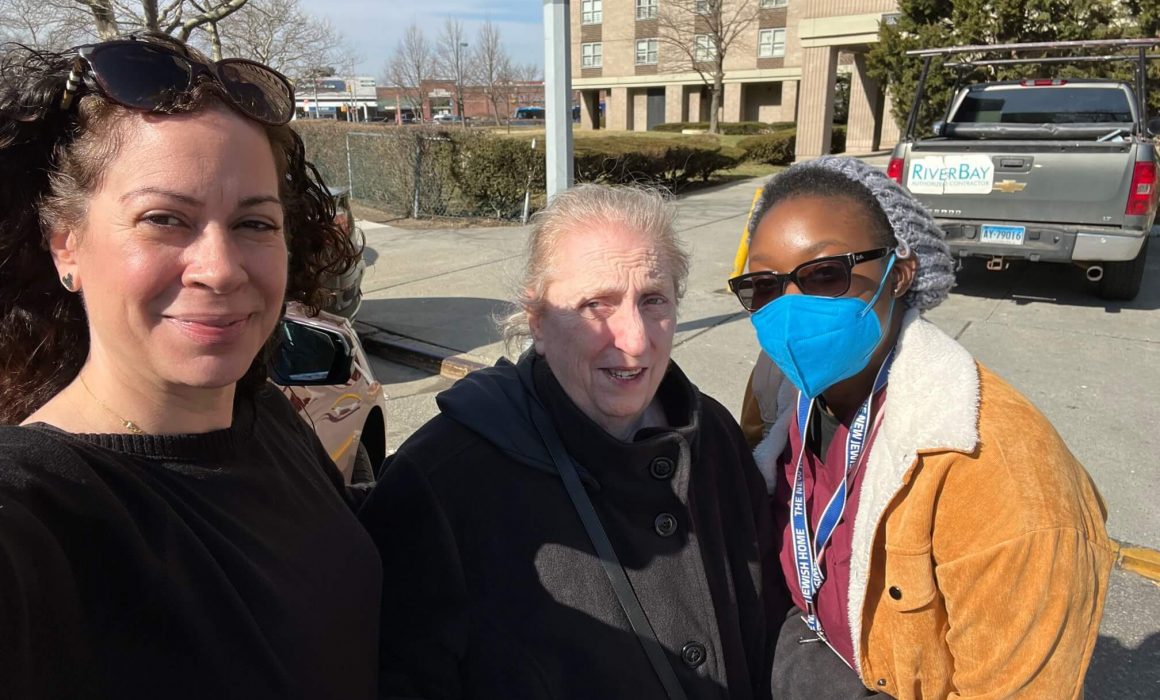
(808, 553)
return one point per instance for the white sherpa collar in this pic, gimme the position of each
(932, 404)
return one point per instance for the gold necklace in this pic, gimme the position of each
(126, 424)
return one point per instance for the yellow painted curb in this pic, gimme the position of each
(1138, 560)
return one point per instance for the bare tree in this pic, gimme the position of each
(179, 18)
(524, 85)
(52, 25)
(493, 68)
(451, 59)
(698, 35)
(280, 34)
(411, 64)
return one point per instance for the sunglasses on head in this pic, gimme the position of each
(824, 277)
(148, 76)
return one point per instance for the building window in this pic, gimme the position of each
(592, 55)
(704, 49)
(702, 7)
(592, 11)
(771, 43)
(766, 4)
(646, 9)
(646, 52)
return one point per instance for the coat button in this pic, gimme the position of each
(882, 682)
(661, 468)
(665, 524)
(693, 654)
(896, 592)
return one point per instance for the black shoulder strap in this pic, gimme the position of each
(620, 583)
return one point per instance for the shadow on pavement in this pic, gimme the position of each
(463, 324)
(370, 255)
(709, 321)
(1122, 673)
(1053, 283)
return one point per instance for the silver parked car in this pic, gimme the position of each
(321, 366)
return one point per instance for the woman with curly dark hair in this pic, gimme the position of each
(168, 526)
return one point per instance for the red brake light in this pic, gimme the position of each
(1040, 82)
(894, 170)
(1142, 193)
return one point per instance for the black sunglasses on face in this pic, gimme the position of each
(148, 76)
(824, 277)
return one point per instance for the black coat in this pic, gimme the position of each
(492, 588)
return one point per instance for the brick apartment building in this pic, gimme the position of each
(782, 69)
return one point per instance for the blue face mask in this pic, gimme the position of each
(820, 341)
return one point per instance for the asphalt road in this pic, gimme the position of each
(1092, 367)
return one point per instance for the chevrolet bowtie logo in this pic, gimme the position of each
(1009, 186)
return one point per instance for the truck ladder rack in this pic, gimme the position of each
(1039, 46)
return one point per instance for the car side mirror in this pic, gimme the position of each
(939, 127)
(309, 356)
(1154, 126)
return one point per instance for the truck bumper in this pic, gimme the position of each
(1047, 243)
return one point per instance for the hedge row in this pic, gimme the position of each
(458, 172)
(778, 148)
(726, 128)
(495, 172)
(669, 162)
(428, 171)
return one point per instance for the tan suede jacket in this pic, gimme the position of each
(980, 561)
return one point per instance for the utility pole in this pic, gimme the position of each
(557, 95)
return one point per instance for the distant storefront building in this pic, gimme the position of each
(351, 98)
(438, 97)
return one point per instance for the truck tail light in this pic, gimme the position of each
(1042, 82)
(894, 170)
(1143, 190)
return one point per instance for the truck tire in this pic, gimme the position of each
(1121, 280)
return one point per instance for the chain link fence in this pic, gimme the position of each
(420, 172)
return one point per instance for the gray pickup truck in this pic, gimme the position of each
(1057, 170)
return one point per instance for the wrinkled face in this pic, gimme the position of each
(181, 259)
(606, 328)
(805, 228)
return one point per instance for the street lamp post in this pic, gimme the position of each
(557, 96)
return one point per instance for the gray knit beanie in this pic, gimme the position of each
(911, 222)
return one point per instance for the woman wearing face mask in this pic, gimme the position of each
(937, 536)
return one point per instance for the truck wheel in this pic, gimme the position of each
(1121, 280)
(363, 471)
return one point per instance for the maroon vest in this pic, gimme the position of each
(822, 479)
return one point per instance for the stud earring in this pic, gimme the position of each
(67, 281)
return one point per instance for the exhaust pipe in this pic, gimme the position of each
(1094, 273)
(995, 264)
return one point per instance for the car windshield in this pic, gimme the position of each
(1045, 105)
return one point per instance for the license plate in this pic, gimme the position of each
(1003, 235)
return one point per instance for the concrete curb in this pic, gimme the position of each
(1139, 560)
(417, 353)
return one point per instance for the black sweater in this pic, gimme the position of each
(218, 565)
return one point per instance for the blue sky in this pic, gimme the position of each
(373, 27)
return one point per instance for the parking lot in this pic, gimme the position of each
(1091, 366)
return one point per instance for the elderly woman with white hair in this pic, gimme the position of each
(584, 523)
(937, 537)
